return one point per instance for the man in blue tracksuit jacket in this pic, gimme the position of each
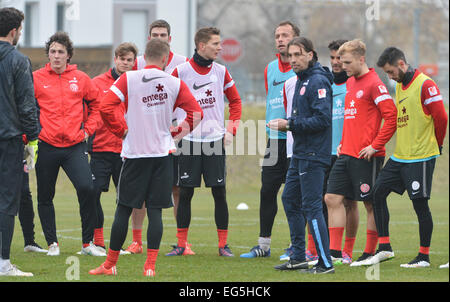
(310, 123)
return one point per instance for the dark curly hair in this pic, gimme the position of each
(63, 39)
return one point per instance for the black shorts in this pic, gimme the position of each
(104, 166)
(275, 163)
(416, 178)
(11, 175)
(353, 177)
(175, 170)
(202, 158)
(146, 179)
(327, 173)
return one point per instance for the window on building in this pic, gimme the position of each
(31, 23)
(60, 16)
(134, 27)
(131, 21)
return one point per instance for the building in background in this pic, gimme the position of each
(247, 27)
(97, 27)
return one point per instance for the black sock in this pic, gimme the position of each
(268, 207)
(155, 228)
(380, 210)
(220, 207)
(119, 227)
(184, 207)
(336, 254)
(385, 247)
(425, 220)
(423, 257)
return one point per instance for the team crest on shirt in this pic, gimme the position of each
(302, 90)
(382, 89)
(359, 94)
(432, 91)
(73, 87)
(322, 93)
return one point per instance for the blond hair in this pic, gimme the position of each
(355, 47)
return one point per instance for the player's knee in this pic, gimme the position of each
(380, 193)
(332, 201)
(368, 204)
(421, 208)
(185, 195)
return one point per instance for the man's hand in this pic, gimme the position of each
(31, 151)
(228, 138)
(367, 153)
(338, 150)
(278, 124)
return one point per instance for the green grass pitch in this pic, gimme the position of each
(243, 183)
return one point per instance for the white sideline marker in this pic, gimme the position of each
(242, 206)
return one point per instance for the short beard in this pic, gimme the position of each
(401, 76)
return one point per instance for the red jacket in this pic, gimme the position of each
(61, 100)
(103, 139)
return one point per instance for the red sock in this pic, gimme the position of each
(384, 240)
(98, 237)
(85, 244)
(137, 236)
(151, 259)
(111, 258)
(371, 242)
(182, 236)
(311, 245)
(348, 246)
(223, 235)
(424, 250)
(336, 235)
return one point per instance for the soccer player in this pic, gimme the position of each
(276, 163)
(104, 146)
(421, 127)
(310, 124)
(19, 115)
(351, 207)
(159, 29)
(361, 151)
(203, 151)
(63, 92)
(146, 173)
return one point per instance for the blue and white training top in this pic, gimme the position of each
(274, 100)
(339, 92)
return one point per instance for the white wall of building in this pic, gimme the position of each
(92, 23)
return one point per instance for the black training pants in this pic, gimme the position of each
(74, 161)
